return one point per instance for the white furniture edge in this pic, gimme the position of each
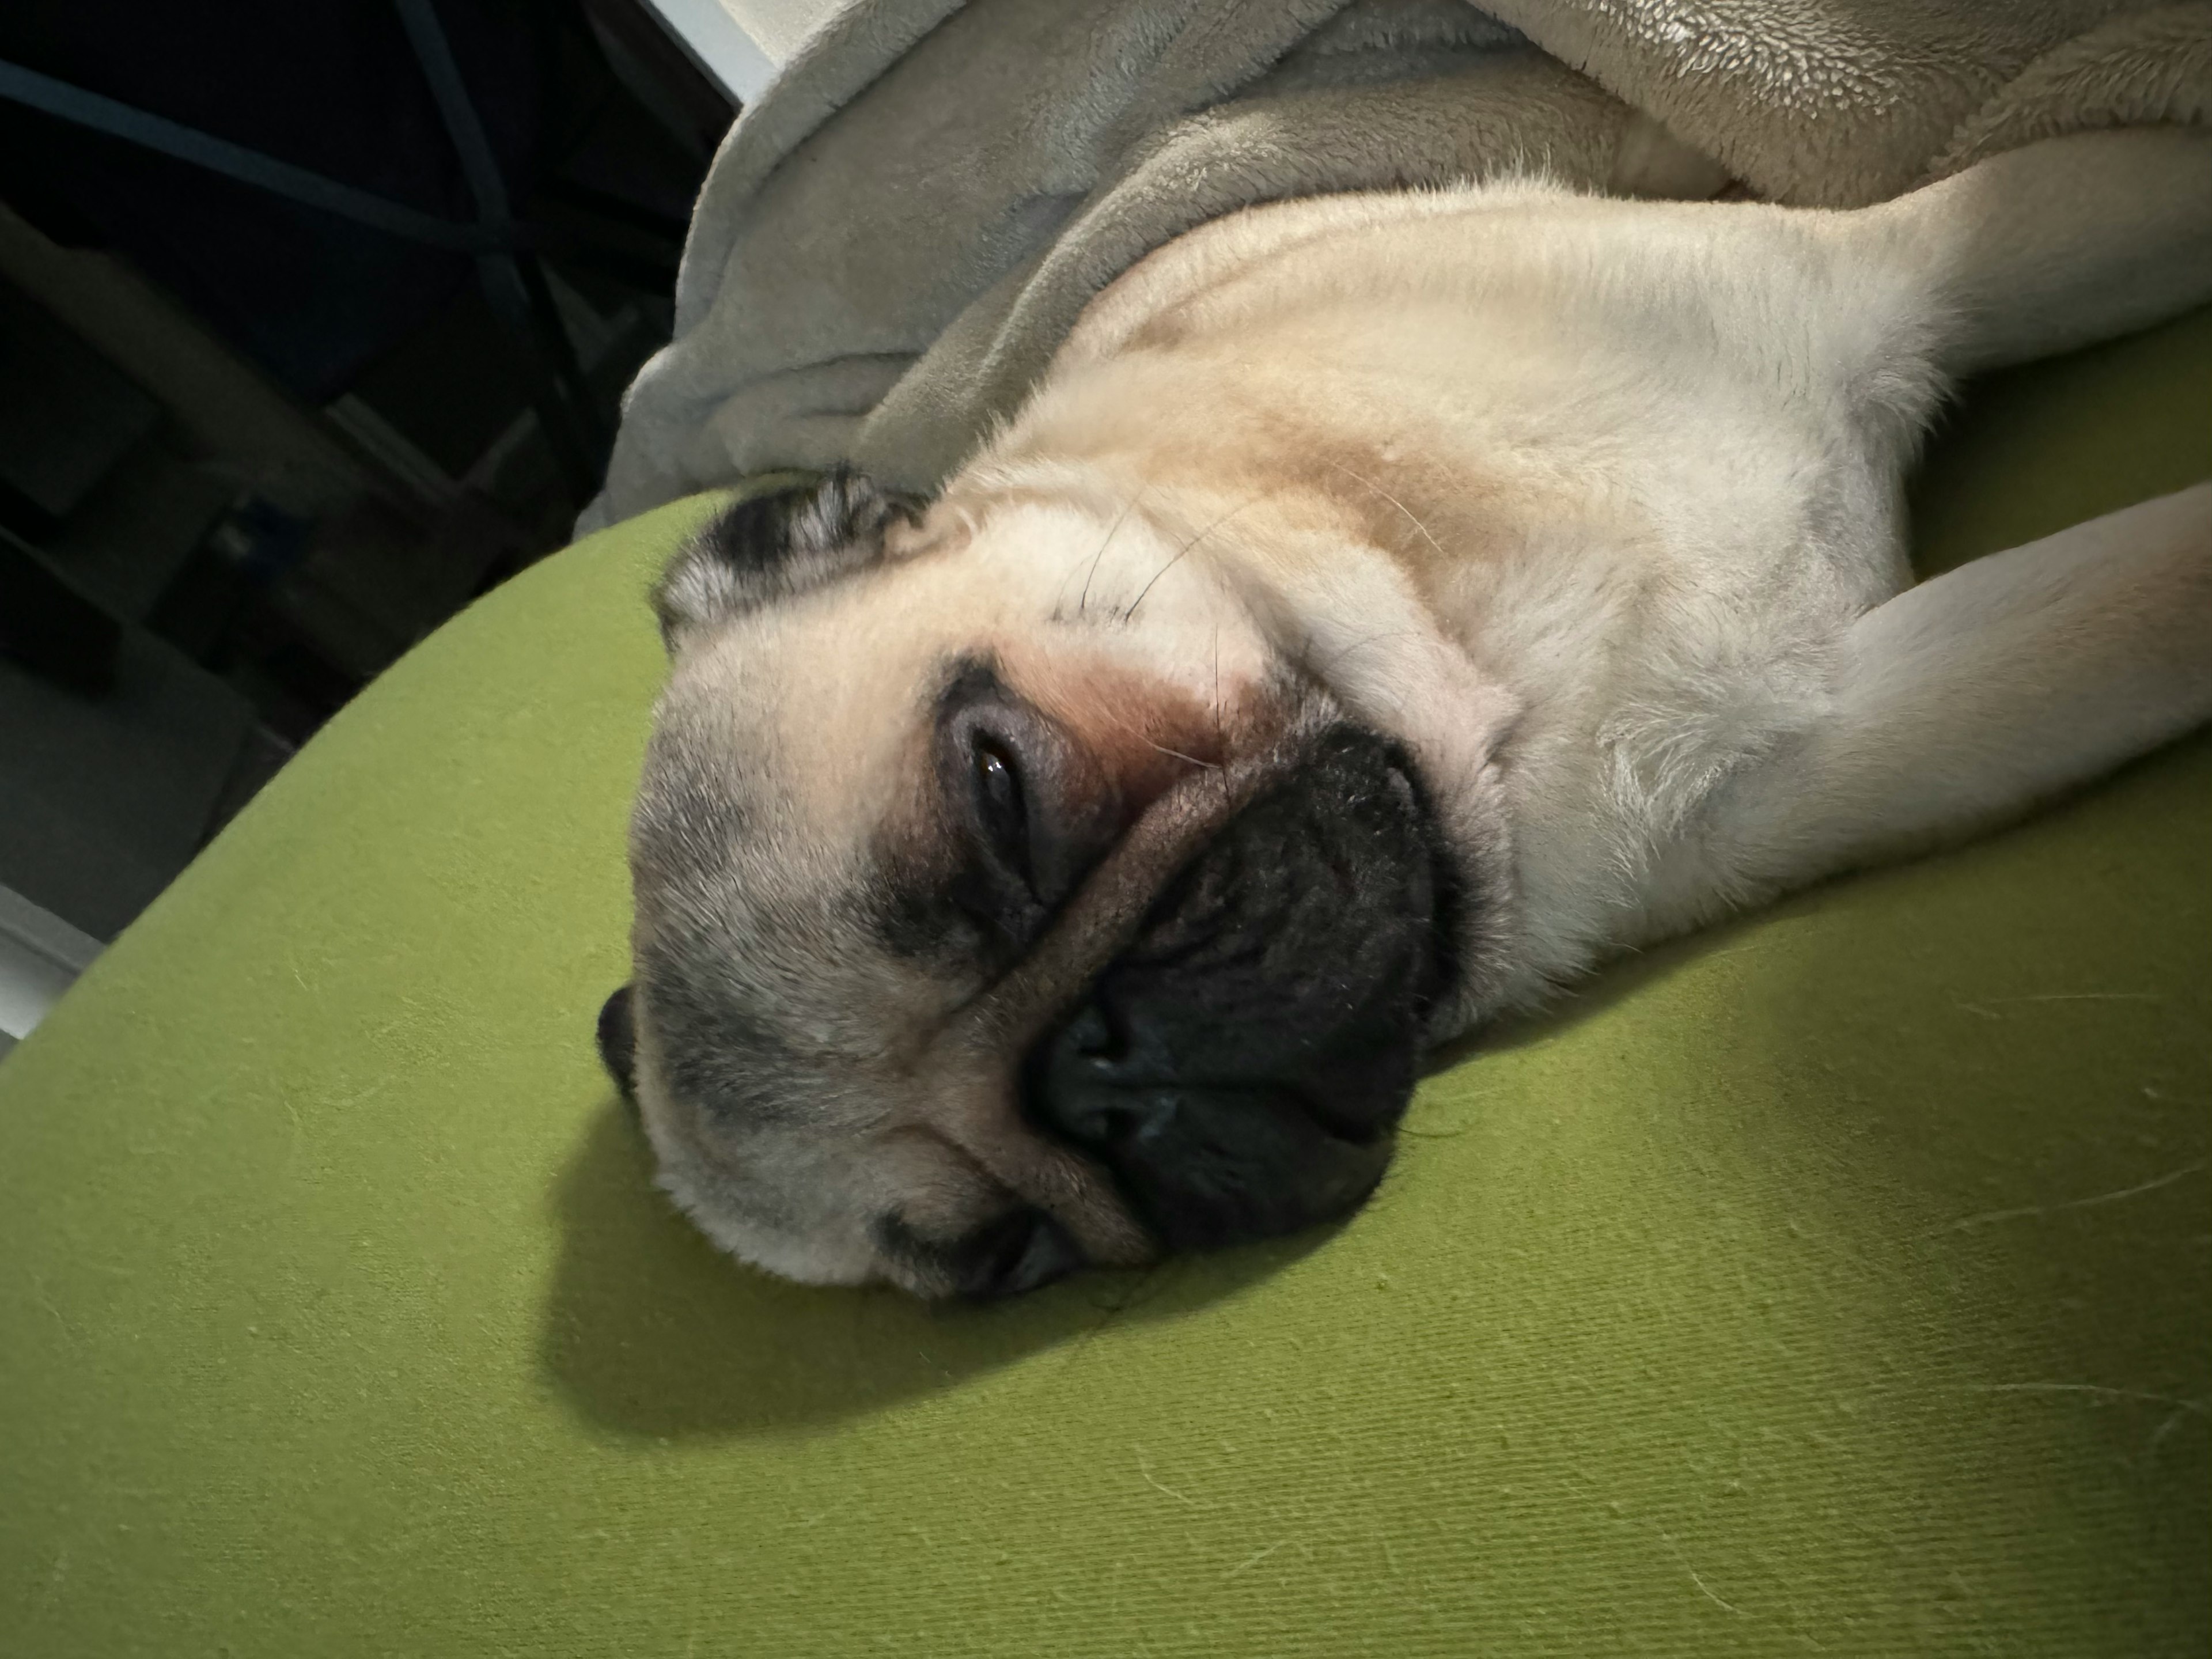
(40, 957)
(715, 41)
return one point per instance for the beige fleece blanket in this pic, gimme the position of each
(892, 242)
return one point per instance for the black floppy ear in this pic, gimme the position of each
(618, 1043)
(775, 544)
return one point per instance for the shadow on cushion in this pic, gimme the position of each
(649, 1330)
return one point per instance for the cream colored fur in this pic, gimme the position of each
(896, 239)
(1596, 503)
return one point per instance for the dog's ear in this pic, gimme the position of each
(617, 1035)
(774, 545)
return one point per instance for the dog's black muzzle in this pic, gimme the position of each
(1241, 1068)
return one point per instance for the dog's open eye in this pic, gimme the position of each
(1002, 808)
(1026, 813)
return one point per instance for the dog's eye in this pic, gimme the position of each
(1000, 806)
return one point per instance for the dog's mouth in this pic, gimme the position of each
(1241, 1066)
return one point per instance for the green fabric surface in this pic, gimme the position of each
(1832, 1282)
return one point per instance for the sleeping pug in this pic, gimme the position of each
(1386, 607)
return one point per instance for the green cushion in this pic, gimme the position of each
(1836, 1281)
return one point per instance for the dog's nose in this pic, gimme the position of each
(1240, 1066)
(1100, 1090)
(1118, 1095)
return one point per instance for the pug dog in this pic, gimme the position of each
(1387, 607)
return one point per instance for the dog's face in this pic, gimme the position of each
(1006, 901)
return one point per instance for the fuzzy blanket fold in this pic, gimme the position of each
(891, 244)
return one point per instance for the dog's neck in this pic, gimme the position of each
(1508, 622)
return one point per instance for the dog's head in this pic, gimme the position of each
(1009, 898)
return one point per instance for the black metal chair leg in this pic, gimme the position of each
(513, 282)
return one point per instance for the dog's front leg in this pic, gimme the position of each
(2053, 246)
(1963, 701)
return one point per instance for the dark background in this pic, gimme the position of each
(251, 450)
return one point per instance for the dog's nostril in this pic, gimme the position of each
(1103, 1118)
(1150, 1115)
(1157, 1114)
(1090, 1119)
(1091, 1035)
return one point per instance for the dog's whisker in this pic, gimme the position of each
(1212, 766)
(1361, 644)
(1369, 483)
(1220, 737)
(1082, 603)
(1220, 729)
(1181, 552)
(1125, 727)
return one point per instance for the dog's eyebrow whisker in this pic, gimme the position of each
(1128, 730)
(1220, 728)
(1123, 727)
(1112, 530)
(1220, 736)
(1369, 483)
(1212, 766)
(1361, 644)
(1180, 553)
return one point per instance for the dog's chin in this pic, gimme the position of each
(1240, 1069)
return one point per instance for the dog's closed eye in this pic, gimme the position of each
(1017, 1251)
